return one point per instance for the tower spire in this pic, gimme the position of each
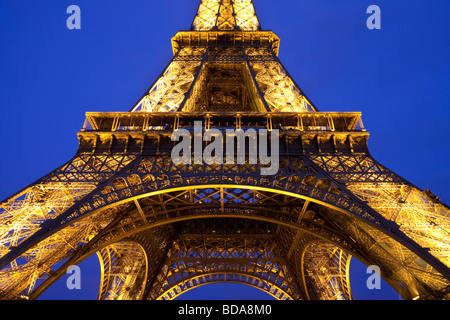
(226, 15)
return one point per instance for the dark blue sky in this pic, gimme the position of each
(398, 77)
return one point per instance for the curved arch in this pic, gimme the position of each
(318, 231)
(337, 203)
(126, 236)
(333, 198)
(113, 236)
(238, 278)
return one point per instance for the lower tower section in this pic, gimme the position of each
(161, 228)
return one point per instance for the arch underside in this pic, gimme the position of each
(234, 250)
(149, 202)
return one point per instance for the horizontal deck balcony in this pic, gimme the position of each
(171, 121)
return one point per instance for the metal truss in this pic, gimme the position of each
(225, 79)
(419, 215)
(169, 90)
(160, 229)
(354, 168)
(124, 268)
(326, 272)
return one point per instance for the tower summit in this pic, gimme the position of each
(161, 228)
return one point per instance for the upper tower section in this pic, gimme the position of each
(225, 23)
(225, 63)
(226, 15)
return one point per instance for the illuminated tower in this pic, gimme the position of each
(160, 228)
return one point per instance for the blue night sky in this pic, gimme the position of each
(398, 77)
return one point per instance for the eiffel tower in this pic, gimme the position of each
(160, 229)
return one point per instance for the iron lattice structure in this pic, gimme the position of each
(160, 229)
